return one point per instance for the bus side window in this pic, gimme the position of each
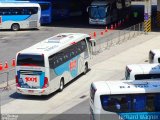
(139, 103)
(157, 102)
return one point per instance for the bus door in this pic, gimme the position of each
(0, 20)
(31, 72)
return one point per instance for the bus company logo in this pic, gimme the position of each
(0, 20)
(31, 79)
(72, 65)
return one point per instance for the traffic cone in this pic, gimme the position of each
(111, 27)
(94, 34)
(102, 33)
(13, 63)
(115, 25)
(106, 30)
(120, 23)
(1, 67)
(6, 65)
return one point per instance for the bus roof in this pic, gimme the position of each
(101, 2)
(144, 68)
(54, 44)
(126, 87)
(18, 4)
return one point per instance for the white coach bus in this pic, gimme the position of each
(19, 15)
(127, 100)
(48, 65)
(154, 56)
(142, 71)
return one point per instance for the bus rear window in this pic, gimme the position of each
(30, 60)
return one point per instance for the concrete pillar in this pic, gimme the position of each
(158, 13)
(147, 16)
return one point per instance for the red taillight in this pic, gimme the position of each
(45, 82)
(73, 43)
(17, 84)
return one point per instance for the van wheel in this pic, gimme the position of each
(86, 68)
(61, 86)
(15, 27)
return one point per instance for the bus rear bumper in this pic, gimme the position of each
(39, 92)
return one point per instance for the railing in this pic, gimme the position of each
(116, 37)
(102, 43)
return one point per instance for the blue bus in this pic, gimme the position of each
(66, 8)
(46, 11)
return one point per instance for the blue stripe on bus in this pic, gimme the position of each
(66, 67)
(14, 18)
(140, 116)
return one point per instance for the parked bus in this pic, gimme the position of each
(102, 12)
(19, 15)
(127, 100)
(142, 71)
(46, 12)
(48, 65)
(154, 56)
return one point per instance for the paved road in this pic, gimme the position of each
(108, 65)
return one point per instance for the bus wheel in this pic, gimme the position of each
(15, 27)
(61, 86)
(86, 68)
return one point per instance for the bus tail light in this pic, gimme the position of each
(45, 82)
(17, 83)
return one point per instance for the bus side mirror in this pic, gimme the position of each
(106, 10)
(87, 8)
(93, 42)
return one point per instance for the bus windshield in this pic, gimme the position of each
(147, 76)
(97, 12)
(44, 6)
(30, 60)
(149, 102)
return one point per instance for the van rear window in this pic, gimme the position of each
(30, 60)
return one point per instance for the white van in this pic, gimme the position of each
(154, 56)
(142, 71)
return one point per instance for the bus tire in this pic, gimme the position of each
(61, 86)
(15, 27)
(85, 68)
